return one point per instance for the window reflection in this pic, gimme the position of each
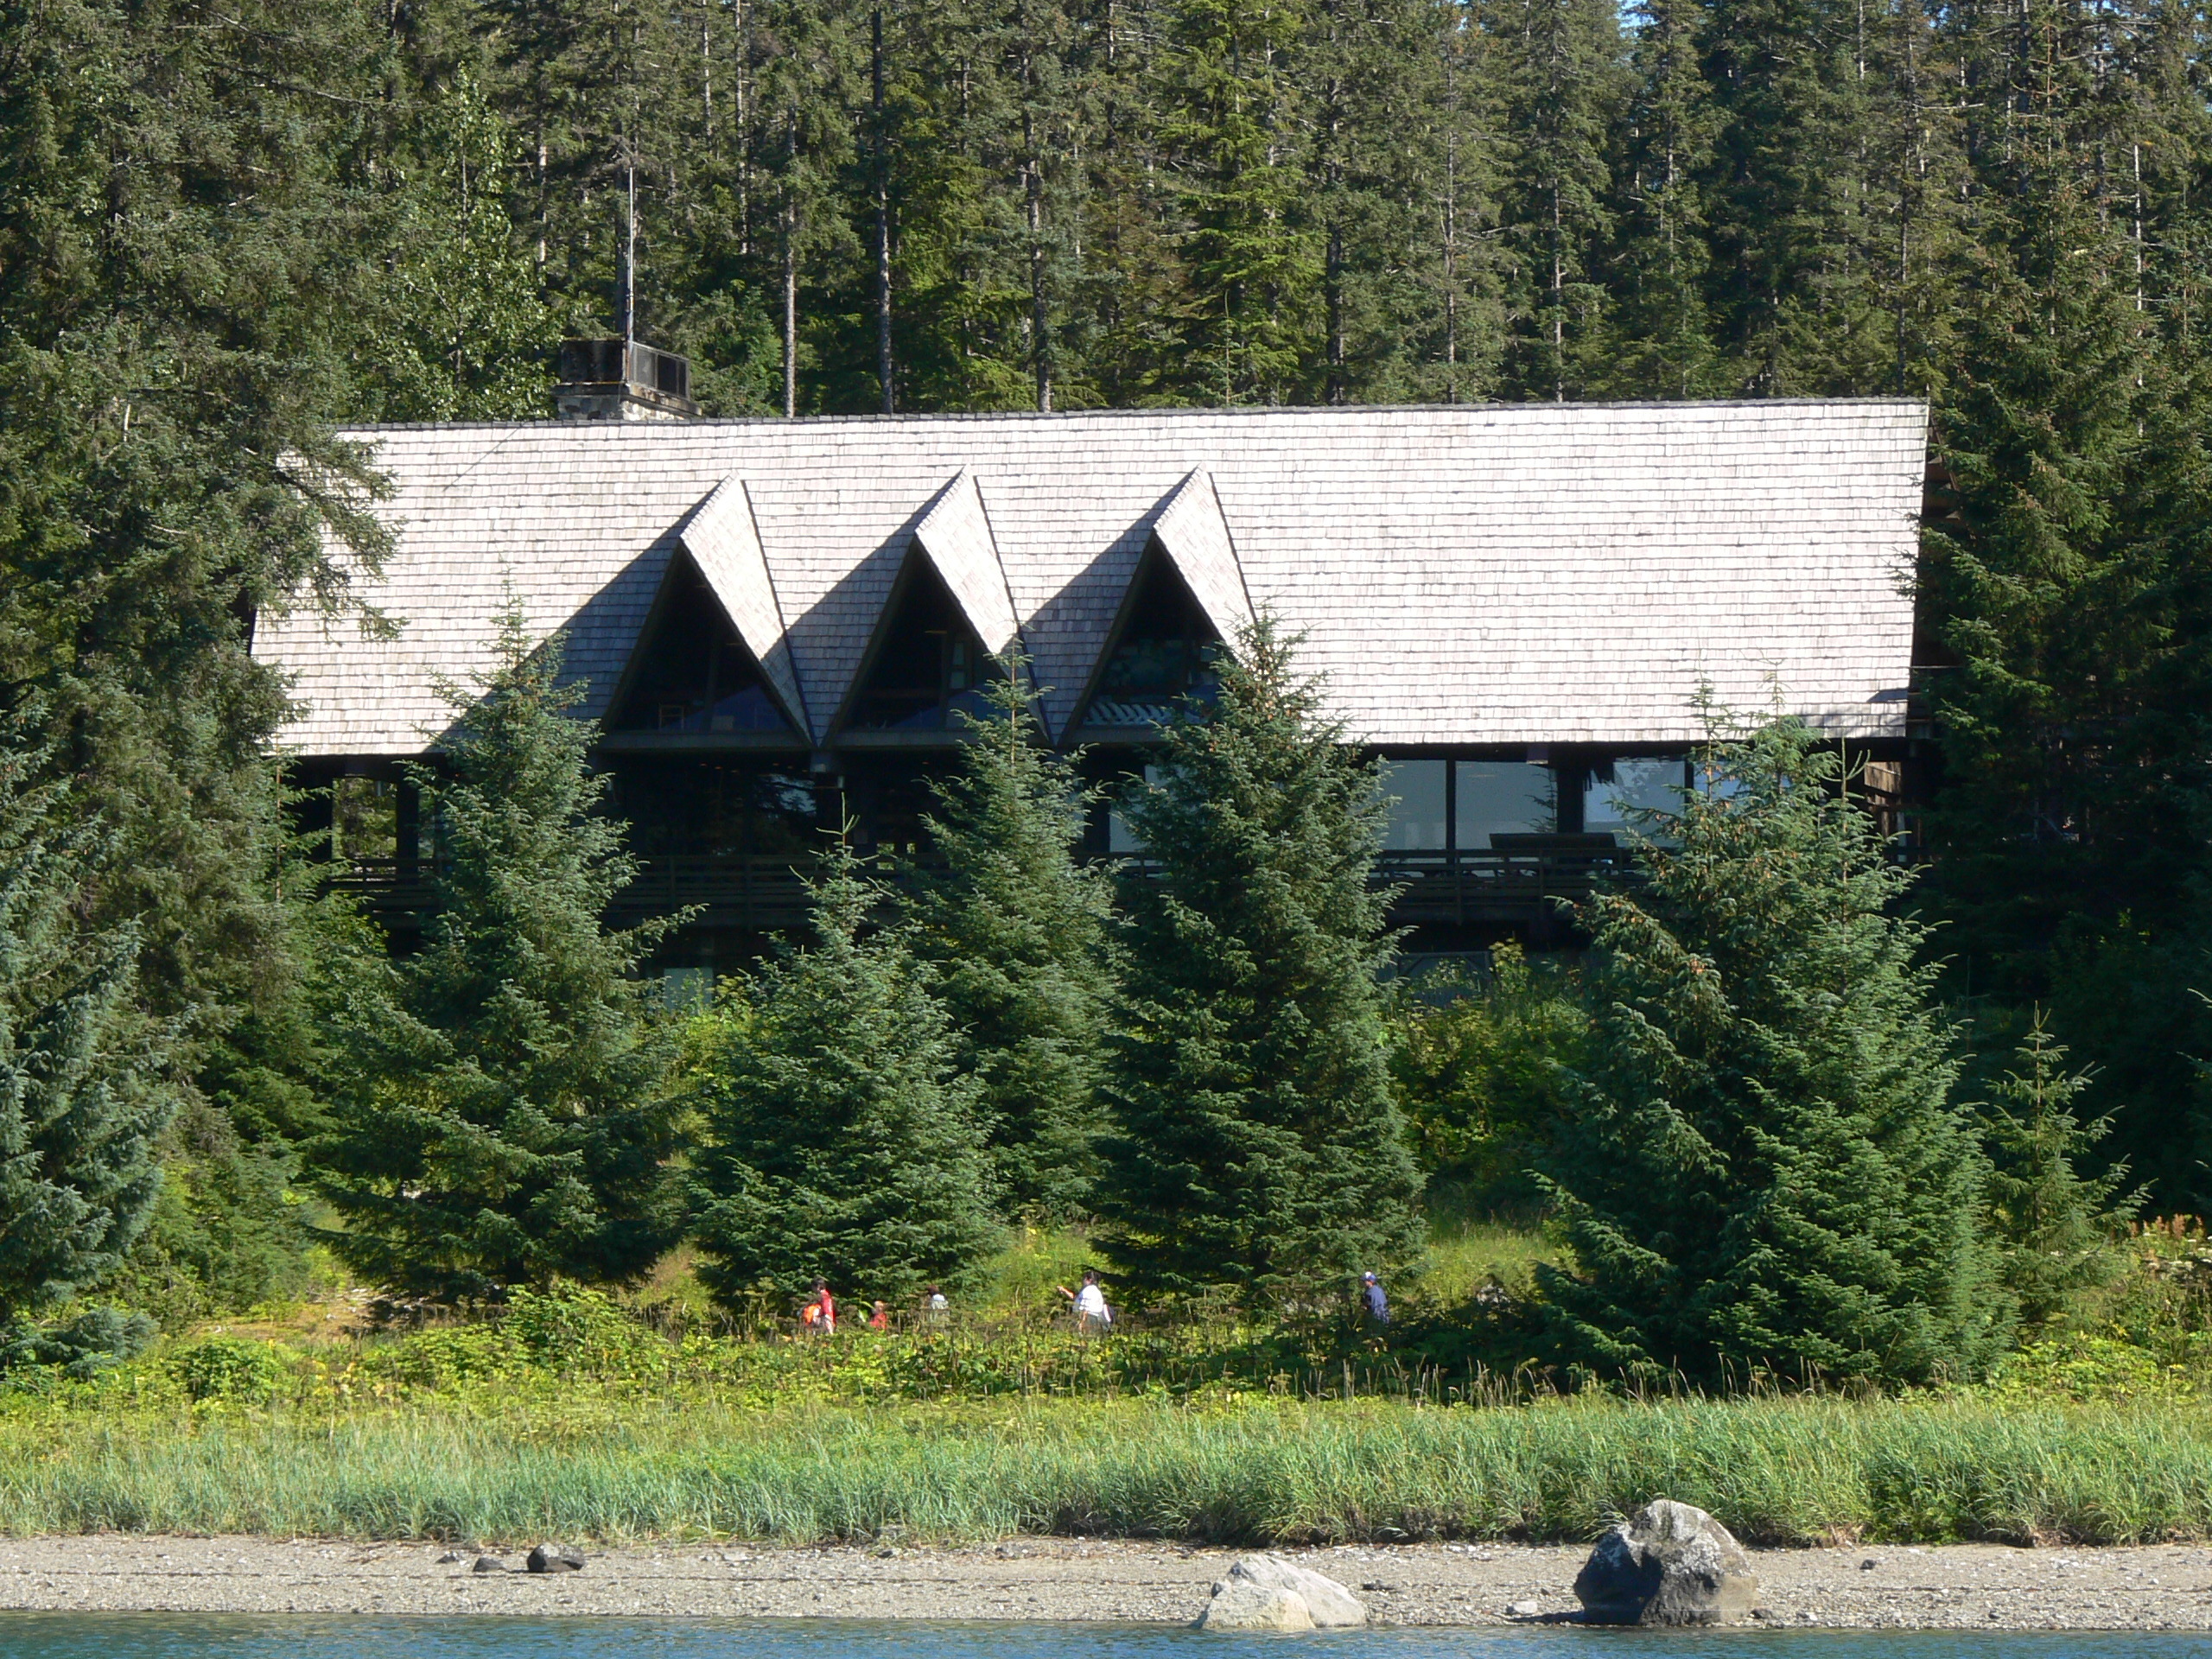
(1120, 839)
(1614, 795)
(1418, 820)
(1504, 798)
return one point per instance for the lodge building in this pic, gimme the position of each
(775, 622)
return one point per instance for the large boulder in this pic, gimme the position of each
(1668, 1564)
(1332, 1604)
(1266, 1592)
(1239, 1605)
(556, 1558)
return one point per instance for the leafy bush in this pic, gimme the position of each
(1477, 1069)
(232, 1369)
(574, 1327)
(2081, 1367)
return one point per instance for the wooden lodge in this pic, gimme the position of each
(776, 621)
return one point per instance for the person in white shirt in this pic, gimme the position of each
(1091, 1312)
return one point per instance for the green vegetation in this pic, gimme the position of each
(565, 1416)
(1255, 1145)
(840, 1142)
(1760, 1168)
(498, 1114)
(1478, 1070)
(2055, 1226)
(226, 233)
(1020, 934)
(81, 1097)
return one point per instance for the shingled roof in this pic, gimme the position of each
(1525, 574)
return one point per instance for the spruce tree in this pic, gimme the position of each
(2055, 1224)
(1234, 132)
(1021, 937)
(840, 1141)
(1257, 1145)
(1787, 195)
(1382, 145)
(1666, 347)
(1760, 1166)
(1564, 63)
(498, 1101)
(85, 1089)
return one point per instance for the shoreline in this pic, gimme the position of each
(1976, 1586)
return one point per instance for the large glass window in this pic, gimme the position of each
(1418, 817)
(929, 664)
(1502, 798)
(1165, 653)
(1120, 839)
(1614, 795)
(693, 674)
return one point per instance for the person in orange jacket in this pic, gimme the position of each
(819, 1316)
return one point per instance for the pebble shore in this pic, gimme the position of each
(1965, 1587)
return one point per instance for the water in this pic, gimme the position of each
(307, 1635)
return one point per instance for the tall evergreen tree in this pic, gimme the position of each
(180, 291)
(1760, 1166)
(1466, 318)
(186, 194)
(841, 1142)
(85, 1082)
(1257, 1145)
(1020, 934)
(2066, 575)
(1787, 196)
(1666, 347)
(500, 1113)
(1234, 132)
(2056, 1225)
(1563, 58)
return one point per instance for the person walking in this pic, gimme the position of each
(1377, 1305)
(879, 1317)
(1091, 1312)
(819, 1316)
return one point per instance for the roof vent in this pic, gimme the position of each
(622, 380)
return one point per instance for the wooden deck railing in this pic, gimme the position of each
(766, 890)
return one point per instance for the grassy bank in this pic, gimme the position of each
(1789, 1470)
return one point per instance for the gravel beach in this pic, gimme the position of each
(1970, 1586)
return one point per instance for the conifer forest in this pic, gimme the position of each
(227, 231)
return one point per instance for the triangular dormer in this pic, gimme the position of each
(691, 677)
(925, 663)
(1185, 601)
(945, 629)
(723, 541)
(1160, 652)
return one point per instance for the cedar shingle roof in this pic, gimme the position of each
(724, 544)
(1526, 574)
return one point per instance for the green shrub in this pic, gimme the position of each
(232, 1368)
(574, 1327)
(1477, 1070)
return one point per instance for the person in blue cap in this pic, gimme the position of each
(1377, 1305)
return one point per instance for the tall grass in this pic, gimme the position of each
(1777, 1470)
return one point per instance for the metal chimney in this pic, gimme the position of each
(622, 380)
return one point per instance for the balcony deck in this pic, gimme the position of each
(766, 891)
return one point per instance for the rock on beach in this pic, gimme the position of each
(1266, 1592)
(1668, 1564)
(555, 1558)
